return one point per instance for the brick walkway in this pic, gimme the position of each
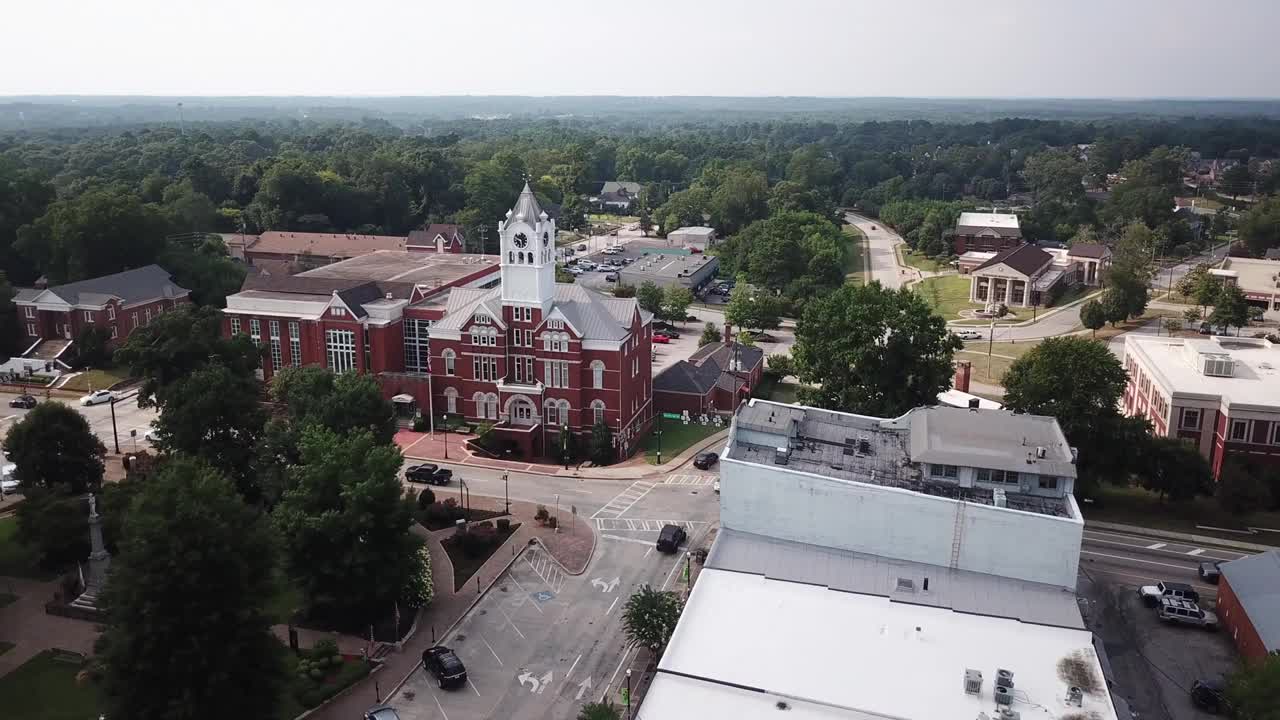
(25, 624)
(572, 549)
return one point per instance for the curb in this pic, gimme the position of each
(471, 606)
(340, 693)
(1172, 535)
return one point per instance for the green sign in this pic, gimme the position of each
(673, 416)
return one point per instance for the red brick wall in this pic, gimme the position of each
(1237, 623)
(669, 402)
(51, 324)
(965, 243)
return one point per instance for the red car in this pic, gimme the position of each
(661, 339)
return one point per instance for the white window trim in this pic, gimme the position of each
(1199, 415)
(31, 329)
(88, 316)
(1231, 431)
(30, 311)
(111, 312)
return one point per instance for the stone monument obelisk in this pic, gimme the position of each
(99, 561)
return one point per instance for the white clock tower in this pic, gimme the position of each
(527, 244)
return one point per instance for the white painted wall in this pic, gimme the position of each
(780, 502)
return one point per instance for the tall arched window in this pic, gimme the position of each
(511, 257)
(449, 359)
(597, 374)
(479, 401)
(549, 411)
(451, 400)
(563, 407)
(597, 410)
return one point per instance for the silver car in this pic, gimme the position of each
(1177, 610)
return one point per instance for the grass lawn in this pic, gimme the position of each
(44, 688)
(947, 295)
(96, 380)
(1002, 356)
(855, 271)
(1106, 332)
(619, 219)
(1135, 506)
(1073, 293)
(16, 559)
(920, 262)
(466, 565)
(676, 437)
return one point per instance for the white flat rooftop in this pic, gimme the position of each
(993, 220)
(745, 643)
(1256, 382)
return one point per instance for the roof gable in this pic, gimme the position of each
(130, 286)
(1025, 259)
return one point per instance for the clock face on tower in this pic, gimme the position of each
(546, 239)
(521, 240)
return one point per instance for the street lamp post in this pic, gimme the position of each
(658, 434)
(446, 436)
(114, 434)
(627, 697)
(506, 494)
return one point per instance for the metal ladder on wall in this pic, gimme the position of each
(957, 534)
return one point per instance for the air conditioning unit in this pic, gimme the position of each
(973, 682)
(1008, 714)
(1004, 677)
(1004, 695)
(1075, 696)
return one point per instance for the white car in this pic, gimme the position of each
(97, 397)
(968, 335)
(8, 485)
(612, 250)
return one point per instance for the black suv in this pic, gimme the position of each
(429, 474)
(705, 460)
(1210, 571)
(671, 537)
(442, 663)
(23, 401)
(1209, 695)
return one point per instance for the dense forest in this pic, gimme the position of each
(77, 203)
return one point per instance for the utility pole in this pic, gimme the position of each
(114, 434)
(182, 125)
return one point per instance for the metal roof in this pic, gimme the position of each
(995, 439)
(988, 220)
(1255, 581)
(526, 208)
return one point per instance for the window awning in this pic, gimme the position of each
(403, 398)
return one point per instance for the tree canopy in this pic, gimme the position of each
(873, 351)
(53, 445)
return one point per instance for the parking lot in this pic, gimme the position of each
(541, 643)
(128, 417)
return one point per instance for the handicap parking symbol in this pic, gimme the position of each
(542, 595)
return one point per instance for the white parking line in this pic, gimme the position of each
(491, 650)
(1197, 551)
(571, 667)
(1156, 546)
(440, 707)
(615, 602)
(512, 624)
(1133, 559)
(637, 541)
(473, 687)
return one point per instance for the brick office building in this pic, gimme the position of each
(1221, 393)
(51, 318)
(493, 339)
(986, 232)
(1249, 603)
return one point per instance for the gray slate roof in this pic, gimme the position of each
(1089, 250)
(527, 208)
(959, 590)
(685, 377)
(594, 316)
(1255, 580)
(131, 286)
(707, 368)
(1026, 259)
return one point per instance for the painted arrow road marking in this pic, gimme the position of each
(583, 687)
(534, 684)
(606, 586)
(544, 681)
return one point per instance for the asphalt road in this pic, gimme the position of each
(1142, 560)
(881, 242)
(128, 416)
(542, 642)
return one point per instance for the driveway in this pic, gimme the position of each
(881, 242)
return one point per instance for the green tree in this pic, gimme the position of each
(340, 402)
(873, 351)
(1085, 407)
(91, 347)
(650, 616)
(602, 450)
(1171, 325)
(1055, 176)
(780, 364)
(216, 415)
(1093, 315)
(650, 297)
(1192, 315)
(1175, 469)
(346, 525)
(710, 334)
(1241, 488)
(53, 445)
(191, 550)
(1230, 309)
(741, 199)
(600, 711)
(9, 332)
(180, 342)
(675, 302)
(752, 308)
(646, 222)
(54, 522)
(1254, 689)
(1260, 227)
(205, 268)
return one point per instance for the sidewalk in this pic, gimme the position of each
(421, 446)
(25, 624)
(572, 549)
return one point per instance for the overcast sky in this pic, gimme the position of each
(988, 48)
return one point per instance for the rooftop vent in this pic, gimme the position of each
(973, 682)
(1075, 696)
(999, 500)
(974, 403)
(1040, 452)
(1217, 365)
(864, 446)
(781, 456)
(1007, 713)
(1004, 696)
(906, 585)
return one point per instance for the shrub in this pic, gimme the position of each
(542, 514)
(504, 525)
(425, 498)
(420, 423)
(552, 522)
(478, 540)
(317, 674)
(324, 649)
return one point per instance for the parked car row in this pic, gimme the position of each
(1178, 603)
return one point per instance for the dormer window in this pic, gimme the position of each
(338, 312)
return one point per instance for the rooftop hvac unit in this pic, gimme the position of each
(864, 446)
(1004, 677)
(999, 499)
(1004, 695)
(1040, 452)
(1008, 714)
(1075, 696)
(781, 456)
(973, 682)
